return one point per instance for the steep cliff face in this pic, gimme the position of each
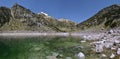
(5, 15)
(24, 15)
(20, 12)
(108, 17)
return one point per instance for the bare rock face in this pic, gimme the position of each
(21, 12)
(5, 15)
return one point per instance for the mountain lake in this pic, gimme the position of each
(45, 47)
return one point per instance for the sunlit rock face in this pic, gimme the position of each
(24, 15)
(21, 12)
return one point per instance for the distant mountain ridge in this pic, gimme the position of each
(19, 18)
(107, 18)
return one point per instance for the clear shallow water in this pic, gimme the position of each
(38, 47)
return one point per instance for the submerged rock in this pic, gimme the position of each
(51, 57)
(68, 58)
(55, 54)
(103, 55)
(37, 48)
(81, 55)
(83, 41)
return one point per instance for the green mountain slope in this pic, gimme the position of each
(107, 18)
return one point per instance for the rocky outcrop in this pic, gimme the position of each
(5, 15)
(66, 24)
(21, 12)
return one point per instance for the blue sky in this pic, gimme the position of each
(75, 10)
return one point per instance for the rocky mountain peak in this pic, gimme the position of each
(17, 5)
(107, 17)
(21, 12)
(118, 4)
(115, 6)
